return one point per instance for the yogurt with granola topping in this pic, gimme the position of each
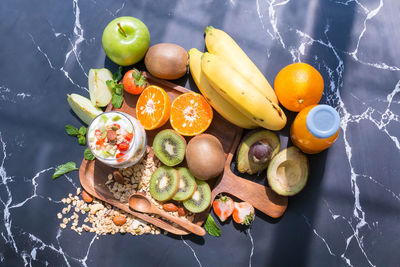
(117, 139)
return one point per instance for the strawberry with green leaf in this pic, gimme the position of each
(243, 213)
(134, 82)
(223, 207)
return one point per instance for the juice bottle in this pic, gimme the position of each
(315, 128)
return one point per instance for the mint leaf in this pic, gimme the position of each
(88, 154)
(110, 84)
(65, 168)
(211, 227)
(117, 75)
(117, 100)
(82, 140)
(71, 130)
(118, 89)
(82, 130)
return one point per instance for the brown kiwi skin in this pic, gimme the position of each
(203, 169)
(166, 61)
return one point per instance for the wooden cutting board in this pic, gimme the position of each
(93, 175)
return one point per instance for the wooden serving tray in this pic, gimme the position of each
(93, 174)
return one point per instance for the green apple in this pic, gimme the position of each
(126, 40)
(83, 108)
(100, 94)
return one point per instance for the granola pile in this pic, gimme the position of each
(93, 215)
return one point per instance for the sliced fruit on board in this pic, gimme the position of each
(83, 108)
(187, 185)
(256, 150)
(100, 94)
(299, 85)
(164, 183)
(223, 107)
(190, 114)
(288, 172)
(201, 198)
(237, 90)
(153, 107)
(220, 43)
(169, 147)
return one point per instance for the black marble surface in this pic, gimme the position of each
(349, 212)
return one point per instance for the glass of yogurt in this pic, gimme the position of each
(117, 139)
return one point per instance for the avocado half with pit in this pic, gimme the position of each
(288, 172)
(256, 150)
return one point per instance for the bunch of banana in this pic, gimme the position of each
(233, 85)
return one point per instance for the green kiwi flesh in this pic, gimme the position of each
(187, 185)
(164, 183)
(169, 147)
(201, 198)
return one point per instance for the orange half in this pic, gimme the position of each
(190, 114)
(153, 107)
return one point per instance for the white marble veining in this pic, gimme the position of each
(12, 231)
(359, 219)
(194, 252)
(358, 222)
(252, 245)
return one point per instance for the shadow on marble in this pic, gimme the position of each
(317, 162)
(199, 240)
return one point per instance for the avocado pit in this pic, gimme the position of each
(260, 152)
(256, 151)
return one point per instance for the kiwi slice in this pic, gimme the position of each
(201, 198)
(164, 183)
(169, 147)
(187, 185)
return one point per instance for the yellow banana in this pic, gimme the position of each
(223, 107)
(237, 90)
(221, 44)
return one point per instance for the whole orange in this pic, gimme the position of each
(298, 85)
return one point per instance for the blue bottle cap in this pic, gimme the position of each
(323, 121)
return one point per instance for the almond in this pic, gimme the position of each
(119, 220)
(86, 197)
(181, 211)
(118, 177)
(170, 207)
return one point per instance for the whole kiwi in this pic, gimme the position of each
(166, 61)
(205, 156)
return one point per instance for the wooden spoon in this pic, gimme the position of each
(141, 203)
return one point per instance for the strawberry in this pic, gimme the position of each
(134, 82)
(243, 213)
(223, 207)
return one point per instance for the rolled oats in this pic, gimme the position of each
(98, 216)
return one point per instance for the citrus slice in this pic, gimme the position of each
(153, 107)
(299, 85)
(190, 114)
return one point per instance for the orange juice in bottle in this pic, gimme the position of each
(315, 128)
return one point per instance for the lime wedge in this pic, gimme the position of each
(83, 108)
(100, 94)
